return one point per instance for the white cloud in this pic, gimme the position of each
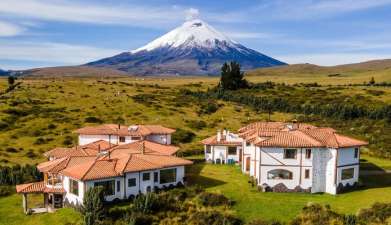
(70, 11)
(9, 29)
(192, 14)
(61, 53)
(331, 59)
(305, 9)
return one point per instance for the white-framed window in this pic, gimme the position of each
(208, 149)
(307, 173)
(132, 182)
(290, 153)
(168, 176)
(74, 187)
(146, 176)
(232, 150)
(279, 174)
(121, 139)
(308, 153)
(356, 151)
(347, 174)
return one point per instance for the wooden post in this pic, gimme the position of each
(25, 202)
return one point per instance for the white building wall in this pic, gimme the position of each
(348, 181)
(70, 197)
(86, 139)
(346, 156)
(331, 171)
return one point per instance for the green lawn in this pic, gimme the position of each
(251, 204)
(11, 213)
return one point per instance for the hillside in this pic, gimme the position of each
(74, 71)
(349, 73)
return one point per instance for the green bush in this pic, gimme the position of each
(378, 213)
(196, 124)
(182, 136)
(212, 217)
(6, 190)
(146, 203)
(93, 210)
(92, 119)
(213, 199)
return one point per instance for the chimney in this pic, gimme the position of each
(99, 148)
(218, 135)
(119, 126)
(143, 148)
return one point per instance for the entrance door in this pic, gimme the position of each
(247, 164)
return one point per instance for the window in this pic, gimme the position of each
(132, 182)
(307, 174)
(168, 176)
(208, 149)
(290, 153)
(121, 139)
(74, 187)
(108, 186)
(308, 153)
(356, 153)
(146, 176)
(118, 186)
(135, 138)
(155, 177)
(347, 174)
(248, 144)
(231, 150)
(279, 174)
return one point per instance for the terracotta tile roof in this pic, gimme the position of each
(278, 134)
(37, 187)
(213, 141)
(149, 147)
(90, 149)
(57, 165)
(122, 130)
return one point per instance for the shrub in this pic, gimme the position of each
(212, 217)
(68, 140)
(6, 190)
(208, 108)
(146, 203)
(378, 213)
(263, 222)
(212, 199)
(93, 210)
(315, 214)
(182, 136)
(196, 124)
(92, 119)
(52, 126)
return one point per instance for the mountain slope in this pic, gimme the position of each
(195, 48)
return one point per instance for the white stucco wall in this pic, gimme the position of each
(346, 156)
(86, 139)
(72, 198)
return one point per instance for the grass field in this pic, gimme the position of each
(251, 204)
(228, 180)
(43, 113)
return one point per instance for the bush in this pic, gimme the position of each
(378, 213)
(146, 203)
(196, 124)
(212, 199)
(6, 190)
(68, 141)
(182, 136)
(263, 222)
(208, 108)
(315, 214)
(212, 217)
(92, 119)
(93, 210)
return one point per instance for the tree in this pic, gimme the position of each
(93, 209)
(11, 80)
(372, 81)
(232, 77)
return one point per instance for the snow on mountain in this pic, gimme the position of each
(195, 33)
(194, 48)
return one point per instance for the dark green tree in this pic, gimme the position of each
(232, 77)
(93, 209)
(372, 81)
(11, 80)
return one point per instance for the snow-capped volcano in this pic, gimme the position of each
(194, 48)
(194, 33)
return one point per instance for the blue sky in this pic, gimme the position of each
(37, 33)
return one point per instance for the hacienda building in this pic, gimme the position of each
(141, 162)
(293, 157)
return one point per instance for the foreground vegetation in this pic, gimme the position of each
(39, 114)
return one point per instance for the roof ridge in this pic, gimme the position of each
(88, 170)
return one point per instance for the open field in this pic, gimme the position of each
(228, 180)
(251, 204)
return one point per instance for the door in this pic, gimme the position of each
(247, 164)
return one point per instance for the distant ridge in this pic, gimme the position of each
(73, 71)
(195, 48)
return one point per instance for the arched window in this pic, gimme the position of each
(279, 174)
